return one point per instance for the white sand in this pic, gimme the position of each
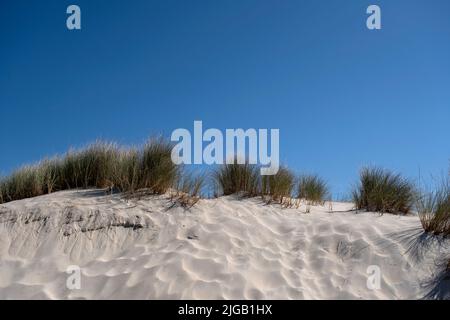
(221, 249)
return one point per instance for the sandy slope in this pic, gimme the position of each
(223, 248)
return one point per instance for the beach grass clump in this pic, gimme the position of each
(126, 173)
(434, 210)
(158, 173)
(149, 169)
(50, 175)
(25, 182)
(30, 181)
(188, 188)
(237, 178)
(91, 167)
(85, 168)
(380, 190)
(278, 186)
(100, 165)
(313, 189)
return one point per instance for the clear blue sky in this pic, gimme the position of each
(341, 95)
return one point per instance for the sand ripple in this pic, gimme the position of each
(220, 249)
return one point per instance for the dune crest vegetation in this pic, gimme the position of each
(434, 210)
(382, 191)
(146, 170)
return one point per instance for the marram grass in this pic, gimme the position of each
(434, 210)
(313, 189)
(99, 165)
(382, 191)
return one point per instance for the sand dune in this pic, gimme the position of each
(222, 248)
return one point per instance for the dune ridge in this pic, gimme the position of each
(224, 248)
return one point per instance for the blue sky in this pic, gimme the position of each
(342, 96)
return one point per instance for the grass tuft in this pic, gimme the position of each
(434, 210)
(99, 165)
(126, 174)
(23, 183)
(279, 186)
(238, 178)
(91, 167)
(383, 191)
(313, 189)
(158, 171)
